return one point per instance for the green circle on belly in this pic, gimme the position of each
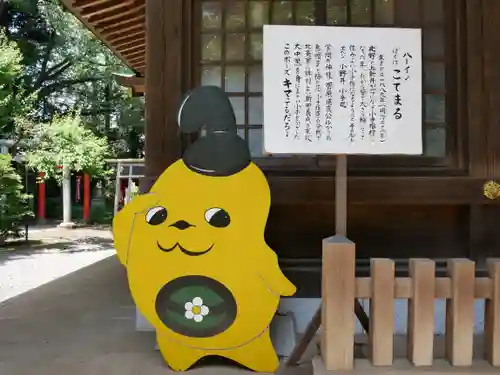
(171, 306)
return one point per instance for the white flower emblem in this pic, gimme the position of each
(196, 310)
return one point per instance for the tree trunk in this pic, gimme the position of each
(4, 20)
(66, 193)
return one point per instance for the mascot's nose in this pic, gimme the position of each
(181, 224)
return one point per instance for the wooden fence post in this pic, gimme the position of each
(382, 312)
(338, 293)
(492, 316)
(460, 312)
(421, 312)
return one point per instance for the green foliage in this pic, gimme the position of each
(10, 60)
(62, 68)
(101, 214)
(13, 202)
(10, 70)
(66, 142)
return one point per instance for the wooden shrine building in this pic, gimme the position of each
(400, 207)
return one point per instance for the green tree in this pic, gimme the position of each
(66, 142)
(13, 202)
(65, 69)
(15, 104)
(10, 60)
(10, 70)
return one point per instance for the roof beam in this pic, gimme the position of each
(133, 54)
(120, 24)
(138, 61)
(72, 4)
(120, 39)
(113, 28)
(120, 30)
(104, 7)
(120, 19)
(131, 46)
(80, 4)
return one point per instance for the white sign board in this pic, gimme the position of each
(342, 90)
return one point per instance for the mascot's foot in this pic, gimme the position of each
(258, 355)
(177, 356)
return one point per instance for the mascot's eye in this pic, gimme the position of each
(217, 217)
(156, 215)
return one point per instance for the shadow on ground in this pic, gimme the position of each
(82, 324)
(21, 249)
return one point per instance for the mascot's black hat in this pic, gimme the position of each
(221, 152)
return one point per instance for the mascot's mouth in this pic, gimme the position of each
(184, 251)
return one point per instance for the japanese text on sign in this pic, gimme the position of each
(360, 96)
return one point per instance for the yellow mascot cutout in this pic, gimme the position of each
(198, 266)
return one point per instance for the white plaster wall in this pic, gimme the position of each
(303, 310)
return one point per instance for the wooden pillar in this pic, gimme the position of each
(86, 196)
(41, 197)
(491, 109)
(491, 59)
(477, 123)
(163, 86)
(338, 291)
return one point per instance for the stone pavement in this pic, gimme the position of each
(50, 253)
(82, 324)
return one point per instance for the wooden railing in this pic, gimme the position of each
(460, 290)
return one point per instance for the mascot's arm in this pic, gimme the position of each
(271, 272)
(124, 220)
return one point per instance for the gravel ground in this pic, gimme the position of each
(50, 254)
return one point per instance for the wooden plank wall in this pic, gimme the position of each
(488, 233)
(426, 216)
(396, 214)
(397, 231)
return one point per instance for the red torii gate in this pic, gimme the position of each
(42, 199)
